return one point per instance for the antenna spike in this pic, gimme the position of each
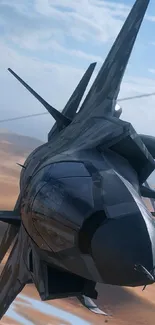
(21, 165)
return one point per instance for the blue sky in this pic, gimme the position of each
(50, 43)
(43, 308)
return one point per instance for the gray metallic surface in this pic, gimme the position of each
(68, 193)
(149, 142)
(83, 219)
(74, 101)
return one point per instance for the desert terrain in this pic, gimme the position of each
(126, 306)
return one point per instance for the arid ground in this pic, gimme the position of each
(127, 306)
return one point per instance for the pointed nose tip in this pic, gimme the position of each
(119, 245)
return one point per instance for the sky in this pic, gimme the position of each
(50, 43)
(43, 308)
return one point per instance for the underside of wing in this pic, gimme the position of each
(27, 264)
(14, 275)
(13, 219)
(7, 240)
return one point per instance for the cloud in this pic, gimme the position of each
(57, 28)
(82, 20)
(151, 71)
(140, 112)
(50, 43)
(55, 82)
(150, 18)
(38, 42)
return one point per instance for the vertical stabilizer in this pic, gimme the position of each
(104, 91)
(74, 101)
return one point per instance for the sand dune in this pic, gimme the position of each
(127, 306)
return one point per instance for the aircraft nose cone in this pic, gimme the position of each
(120, 244)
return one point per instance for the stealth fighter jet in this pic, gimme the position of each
(80, 218)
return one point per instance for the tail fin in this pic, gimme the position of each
(60, 119)
(74, 101)
(105, 89)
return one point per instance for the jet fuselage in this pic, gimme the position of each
(84, 211)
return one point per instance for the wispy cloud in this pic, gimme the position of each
(96, 20)
(82, 20)
(150, 18)
(151, 71)
(51, 42)
(152, 43)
